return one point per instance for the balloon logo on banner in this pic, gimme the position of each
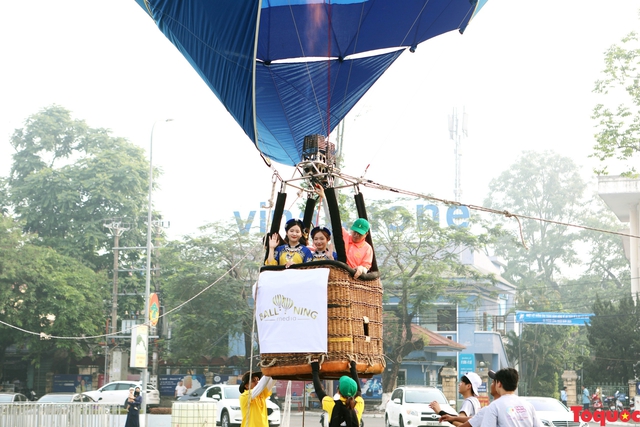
(282, 302)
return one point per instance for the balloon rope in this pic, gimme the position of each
(328, 74)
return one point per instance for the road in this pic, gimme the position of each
(312, 419)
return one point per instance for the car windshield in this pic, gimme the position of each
(6, 398)
(55, 398)
(424, 396)
(550, 405)
(231, 393)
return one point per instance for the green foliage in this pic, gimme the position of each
(613, 336)
(204, 326)
(67, 179)
(618, 125)
(419, 262)
(548, 186)
(45, 292)
(541, 185)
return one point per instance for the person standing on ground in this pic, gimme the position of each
(468, 388)
(133, 410)
(476, 420)
(510, 410)
(347, 408)
(181, 390)
(563, 396)
(255, 389)
(586, 399)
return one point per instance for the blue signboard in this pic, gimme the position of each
(567, 319)
(371, 387)
(167, 383)
(466, 363)
(72, 383)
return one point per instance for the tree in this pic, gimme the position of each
(205, 326)
(44, 292)
(613, 335)
(618, 126)
(68, 179)
(419, 262)
(547, 186)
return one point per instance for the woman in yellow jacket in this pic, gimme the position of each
(255, 390)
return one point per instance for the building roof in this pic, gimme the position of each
(436, 341)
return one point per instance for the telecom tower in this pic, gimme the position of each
(456, 130)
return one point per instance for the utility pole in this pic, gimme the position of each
(116, 228)
(455, 130)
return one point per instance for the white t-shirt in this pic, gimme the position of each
(476, 421)
(470, 406)
(180, 390)
(510, 411)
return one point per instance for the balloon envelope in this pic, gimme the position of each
(285, 69)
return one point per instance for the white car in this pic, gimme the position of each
(228, 411)
(553, 413)
(409, 407)
(116, 392)
(65, 398)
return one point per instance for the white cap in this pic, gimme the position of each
(475, 381)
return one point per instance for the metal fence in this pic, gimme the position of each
(35, 414)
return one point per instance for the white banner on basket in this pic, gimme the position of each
(291, 311)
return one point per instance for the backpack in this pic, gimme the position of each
(342, 416)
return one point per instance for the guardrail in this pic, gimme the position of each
(35, 414)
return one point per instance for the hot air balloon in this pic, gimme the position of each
(289, 71)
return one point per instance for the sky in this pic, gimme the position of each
(523, 72)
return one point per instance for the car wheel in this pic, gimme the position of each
(224, 419)
(400, 422)
(386, 421)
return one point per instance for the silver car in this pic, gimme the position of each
(553, 413)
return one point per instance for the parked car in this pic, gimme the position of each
(13, 398)
(195, 394)
(227, 399)
(409, 406)
(553, 413)
(65, 398)
(116, 392)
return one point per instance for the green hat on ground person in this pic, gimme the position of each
(348, 386)
(361, 226)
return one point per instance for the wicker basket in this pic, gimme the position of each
(354, 329)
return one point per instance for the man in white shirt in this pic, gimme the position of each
(468, 388)
(181, 390)
(509, 410)
(476, 420)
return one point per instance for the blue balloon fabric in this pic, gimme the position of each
(285, 69)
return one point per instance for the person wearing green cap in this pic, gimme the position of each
(359, 252)
(348, 409)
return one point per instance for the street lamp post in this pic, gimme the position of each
(147, 286)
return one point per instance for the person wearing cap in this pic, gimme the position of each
(294, 251)
(476, 420)
(509, 410)
(321, 237)
(255, 389)
(348, 408)
(359, 253)
(468, 388)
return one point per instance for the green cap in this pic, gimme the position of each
(361, 226)
(348, 386)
